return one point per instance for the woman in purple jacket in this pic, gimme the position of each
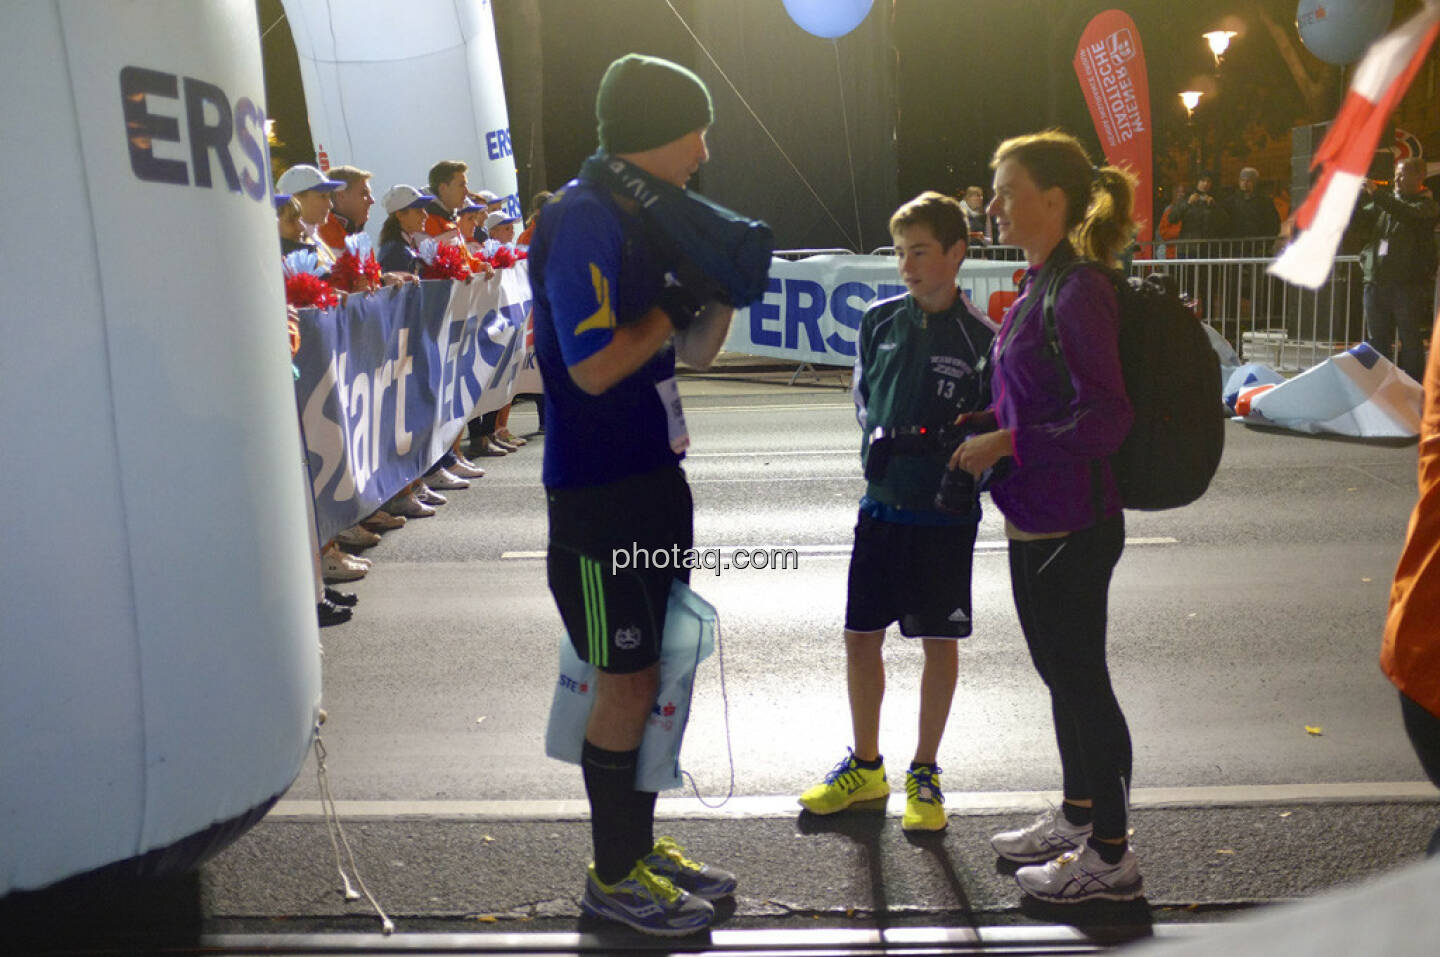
(1058, 420)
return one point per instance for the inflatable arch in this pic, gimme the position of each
(159, 661)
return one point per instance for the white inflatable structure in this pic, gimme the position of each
(159, 662)
(1358, 393)
(395, 88)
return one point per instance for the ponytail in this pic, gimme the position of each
(390, 231)
(1109, 225)
(1099, 203)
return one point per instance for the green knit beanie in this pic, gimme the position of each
(645, 102)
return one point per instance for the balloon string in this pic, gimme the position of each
(855, 243)
(849, 156)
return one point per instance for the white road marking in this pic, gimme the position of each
(829, 407)
(774, 454)
(823, 551)
(1251, 795)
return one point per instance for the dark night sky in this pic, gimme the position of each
(968, 73)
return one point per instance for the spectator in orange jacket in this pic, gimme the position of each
(1410, 656)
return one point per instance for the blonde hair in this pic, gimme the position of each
(349, 175)
(1099, 202)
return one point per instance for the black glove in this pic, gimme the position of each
(680, 304)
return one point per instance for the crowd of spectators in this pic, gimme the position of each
(447, 232)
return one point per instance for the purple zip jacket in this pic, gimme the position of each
(1059, 430)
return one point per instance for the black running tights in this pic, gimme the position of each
(1061, 587)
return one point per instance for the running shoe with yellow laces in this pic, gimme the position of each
(705, 881)
(924, 802)
(846, 784)
(647, 902)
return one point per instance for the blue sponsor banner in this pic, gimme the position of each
(387, 381)
(812, 309)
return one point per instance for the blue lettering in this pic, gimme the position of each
(762, 312)
(250, 128)
(807, 315)
(889, 290)
(143, 128)
(210, 126)
(469, 390)
(209, 137)
(497, 144)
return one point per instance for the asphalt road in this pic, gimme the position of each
(1236, 624)
(1270, 763)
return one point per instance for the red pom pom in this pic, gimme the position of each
(450, 262)
(304, 290)
(346, 274)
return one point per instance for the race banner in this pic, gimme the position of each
(1110, 64)
(812, 309)
(388, 380)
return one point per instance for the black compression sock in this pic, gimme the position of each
(1109, 852)
(614, 807)
(1077, 814)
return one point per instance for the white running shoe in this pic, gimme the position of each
(1045, 838)
(441, 479)
(1082, 875)
(357, 537)
(486, 445)
(465, 468)
(337, 566)
(509, 438)
(429, 496)
(409, 506)
(383, 521)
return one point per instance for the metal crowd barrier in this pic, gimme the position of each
(1264, 318)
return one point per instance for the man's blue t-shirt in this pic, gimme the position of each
(591, 268)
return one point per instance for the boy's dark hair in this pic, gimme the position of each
(443, 172)
(941, 213)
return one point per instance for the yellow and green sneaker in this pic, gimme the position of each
(924, 803)
(647, 902)
(846, 784)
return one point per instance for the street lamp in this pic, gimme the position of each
(1219, 41)
(1191, 99)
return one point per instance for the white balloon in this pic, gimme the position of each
(1339, 31)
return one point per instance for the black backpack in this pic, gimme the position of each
(1172, 377)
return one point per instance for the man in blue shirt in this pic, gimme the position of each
(610, 318)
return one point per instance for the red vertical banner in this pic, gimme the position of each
(1110, 64)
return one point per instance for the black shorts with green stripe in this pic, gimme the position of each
(616, 616)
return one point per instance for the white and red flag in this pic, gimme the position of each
(1380, 80)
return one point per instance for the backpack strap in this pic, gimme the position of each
(1052, 340)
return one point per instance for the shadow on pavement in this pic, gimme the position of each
(112, 915)
(863, 823)
(1108, 923)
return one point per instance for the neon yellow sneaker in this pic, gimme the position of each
(924, 803)
(846, 783)
(647, 902)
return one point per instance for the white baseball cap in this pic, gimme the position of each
(487, 197)
(401, 197)
(297, 179)
(498, 218)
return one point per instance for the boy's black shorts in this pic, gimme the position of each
(918, 575)
(616, 618)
